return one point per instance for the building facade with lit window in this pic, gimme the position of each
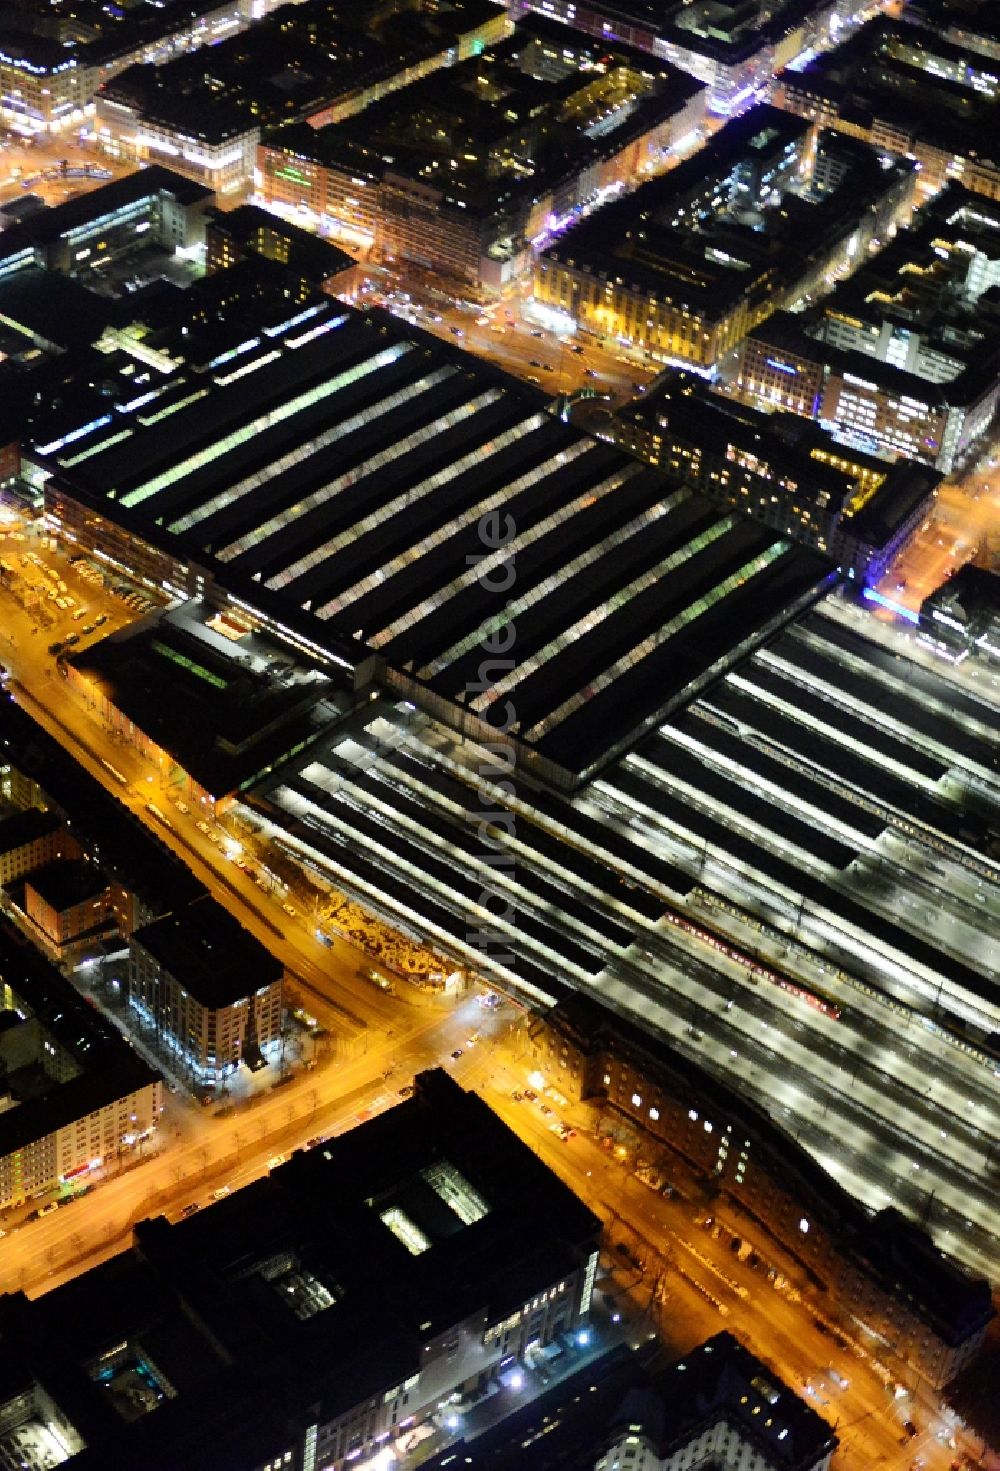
(318, 1316)
(735, 51)
(47, 83)
(209, 991)
(463, 173)
(211, 145)
(74, 1094)
(319, 60)
(30, 839)
(903, 358)
(906, 90)
(718, 1406)
(691, 263)
(788, 474)
(882, 1273)
(154, 205)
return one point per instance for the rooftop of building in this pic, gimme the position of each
(113, 835)
(61, 220)
(800, 335)
(624, 1394)
(209, 953)
(912, 77)
(510, 121)
(45, 305)
(239, 703)
(28, 826)
(736, 218)
(280, 476)
(255, 229)
(971, 595)
(67, 882)
(291, 63)
(295, 1293)
(99, 1065)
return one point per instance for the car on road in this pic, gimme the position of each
(545, 1108)
(911, 1429)
(190, 1210)
(88, 628)
(530, 1095)
(535, 363)
(534, 378)
(55, 648)
(222, 1192)
(537, 333)
(288, 908)
(406, 1090)
(578, 349)
(457, 1053)
(589, 373)
(101, 618)
(73, 638)
(183, 807)
(275, 1161)
(203, 827)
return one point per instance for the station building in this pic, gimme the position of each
(881, 1274)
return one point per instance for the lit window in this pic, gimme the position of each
(803, 1225)
(654, 1114)
(636, 1100)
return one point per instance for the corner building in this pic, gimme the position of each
(310, 1319)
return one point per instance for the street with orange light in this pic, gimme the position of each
(665, 1273)
(964, 523)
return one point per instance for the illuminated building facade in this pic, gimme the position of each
(719, 1406)
(882, 1273)
(209, 991)
(47, 84)
(31, 838)
(232, 235)
(74, 1094)
(691, 263)
(203, 113)
(214, 146)
(465, 172)
(734, 50)
(790, 475)
(319, 1315)
(904, 89)
(903, 359)
(76, 237)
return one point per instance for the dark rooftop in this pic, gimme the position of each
(67, 882)
(26, 827)
(238, 707)
(198, 1296)
(209, 953)
(105, 1066)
